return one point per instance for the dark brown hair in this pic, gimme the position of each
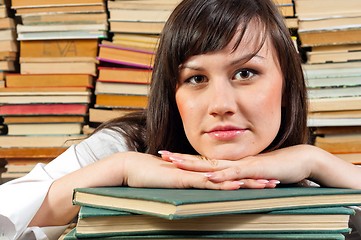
(201, 26)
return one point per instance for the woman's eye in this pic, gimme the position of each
(196, 79)
(244, 74)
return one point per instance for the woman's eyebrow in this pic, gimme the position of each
(246, 58)
(242, 59)
(189, 65)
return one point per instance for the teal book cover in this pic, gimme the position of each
(97, 222)
(187, 203)
(291, 236)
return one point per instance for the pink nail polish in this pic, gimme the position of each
(240, 183)
(275, 181)
(208, 175)
(164, 152)
(176, 159)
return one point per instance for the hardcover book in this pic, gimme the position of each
(96, 222)
(259, 236)
(186, 203)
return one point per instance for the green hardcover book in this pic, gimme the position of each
(259, 236)
(97, 222)
(185, 203)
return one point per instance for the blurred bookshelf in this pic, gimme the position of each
(91, 53)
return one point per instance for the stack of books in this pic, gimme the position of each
(334, 23)
(8, 44)
(58, 36)
(137, 24)
(123, 82)
(42, 113)
(78, 19)
(146, 213)
(126, 61)
(19, 161)
(45, 105)
(287, 9)
(118, 91)
(330, 37)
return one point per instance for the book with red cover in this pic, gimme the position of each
(44, 109)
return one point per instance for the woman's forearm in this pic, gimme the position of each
(57, 208)
(332, 171)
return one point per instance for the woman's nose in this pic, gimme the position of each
(222, 99)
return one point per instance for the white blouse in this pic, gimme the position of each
(21, 198)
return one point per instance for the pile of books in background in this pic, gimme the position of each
(146, 213)
(287, 9)
(125, 62)
(8, 43)
(8, 46)
(330, 35)
(46, 104)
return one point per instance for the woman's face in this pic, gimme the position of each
(231, 108)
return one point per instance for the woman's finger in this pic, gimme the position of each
(195, 162)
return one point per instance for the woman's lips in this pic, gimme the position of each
(225, 134)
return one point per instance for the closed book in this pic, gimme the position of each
(99, 115)
(334, 104)
(38, 3)
(58, 68)
(49, 80)
(63, 18)
(329, 37)
(121, 88)
(61, 27)
(78, 34)
(186, 203)
(143, 4)
(334, 92)
(44, 128)
(121, 101)
(96, 222)
(139, 15)
(43, 119)
(136, 27)
(24, 155)
(126, 75)
(38, 141)
(143, 42)
(59, 48)
(98, 8)
(50, 98)
(43, 109)
(340, 143)
(71, 235)
(317, 9)
(7, 23)
(114, 53)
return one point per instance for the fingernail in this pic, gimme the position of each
(164, 152)
(263, 181)
(176, 159)
(208, 175)
(240, 183)
(275, 181)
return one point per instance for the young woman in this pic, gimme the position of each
(227, 110)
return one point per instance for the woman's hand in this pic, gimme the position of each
(144, 170)
(288, 165)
